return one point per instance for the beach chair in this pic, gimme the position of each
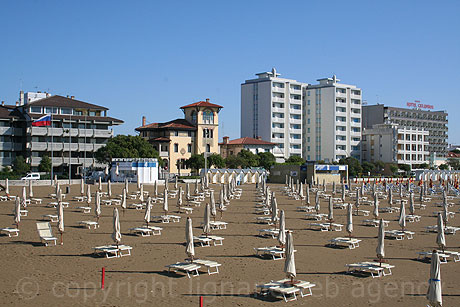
(10, 232)
(374, 223)
(413, 218)
(84, 209)
(50, 217)
(315, 216)
(187, 267)
(306, 208)
(112, 251)
(352, 243)
(302, 285)
(209, 265)
(268, 232)
(88, 224)
(45, 233)
(375, 271)
(443, 257)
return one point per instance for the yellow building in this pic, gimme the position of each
(177, 140)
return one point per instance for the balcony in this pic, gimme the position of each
(295, 121)
(277, 120)
(278, 110)
(354, 124)
(73, 147)
(85, 132)
(278, 89)
(278, 99)
(341, 142)
(295, 141)
(341, 95)
(6, 146)
(340, 132)
(164, 154)
(103, 133)
(278, 130)
(295, 111)
(6, 130)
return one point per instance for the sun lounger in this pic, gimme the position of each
(413, 218)
(363, 212)
(209, 265)
(351, 242)
(340, 205)
(10, 232)
(420, 206)
(302, 285)
(451, 214)
(116, 202)
(455, 255)
(264, 211)
(447, 229)
(399, 234)
(186, 210)
(156, 231)
(107, 202)
(218, 225)
(285, 289)
(388, 209)
(112, 251)
(374, 223)
(143, 231)
(88, 224)
(375, 271)
(50, 217)
(23, 212)
(443, 257)
(3, 198)
(136, 206)
(326, 226)
(265, 220)
(276, 253)
(84, 209)
(195, 203)
(36, 201)
(167, 218)
(203, 241)
(306, 208)
(80, 198)
(268, 232)
(45, 233)
(316, 216)
(216, 240)
(287, 292)
(187, 267)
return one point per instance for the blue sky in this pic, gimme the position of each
(151, 57)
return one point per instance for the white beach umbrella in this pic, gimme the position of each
(317, 203)
(333, 187)
(7, 186)
(82, 186)
(330, 215)
(282, 230)
(189, 246)
(117, 171)
(434, 294)
(106, 171)
(138, 179)
(109, 188)
(390, 197)
(31, 191)
(441, 238)
(422, 187)
(274, 210)
(411, 203)
(289, 263)
(59, 195)
(88, 194)
(148, 208)
(155, 189)
(126, 185)
(24, 197)
(60, 214)
(97, 206)
(179, 198)
(141, 193)
(206, 220)
(123, 200)
(213, 205)
(402, 216)
(307, 194)
(56, 182)
(116, 234)
(380, 250)
(376, 206)
(301, 191)
(196, 187)
(99, 188)
(165, 202)
(221, 196)
(445, 212)
(343, 192)
(350, 219)
(17, 211)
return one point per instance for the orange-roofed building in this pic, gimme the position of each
(233, 147)
(177, 140)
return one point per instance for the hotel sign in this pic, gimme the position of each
(419, 105)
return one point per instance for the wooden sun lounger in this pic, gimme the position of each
(209, 265)
(187, 267)
(10, 232)
(88, 224)
(111, 251)
(375, 223)
(326, 226)
(351, 242)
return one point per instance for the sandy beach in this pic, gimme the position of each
(35, 275)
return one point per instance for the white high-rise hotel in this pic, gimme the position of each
(317, 122)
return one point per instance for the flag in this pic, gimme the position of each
(45, 120)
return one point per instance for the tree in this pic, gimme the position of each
(443, 166)
(405, 167)
(354, 168)
(424, 165)
(295, 160)
(367, 167)
(20, 166)
(454, 163)
(195, 162)
(266, 160)
(248, 159)
(126, 146)
(393, 168)
(379, 166)
(45, 164)
(233, 162)
(216, 160)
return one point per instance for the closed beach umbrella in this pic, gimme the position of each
(196, 187)
(213, 205)
(138, 179)
(330, 215)
(24, 197)
(189, 247)
(317, 204)
(308, 194)
(155, 189)
(421, 193)
(376, 206)
(88, 194)
(357, 202)
(289, 263)
(99, 188)
(141, 193)
(175, 183)
(282, 230)
(349, 219)
(411, 203)
(390, 197)
(31, 191)
(179, 198)
(116, 234)
(7, 187)
(97, 206)
(206, 220)
(148, 208)
(57, 186)
(441, 238)
(56, 182)
(123, 200)
(343, 192)
(82, 187)
(333, 187)
(445, 212)
(380, 250)
(109, 188)
(274, 210)
(402, 216)
(17, 211)
(59, 195)
(187, 191)
(301, 191)
(165, 202)
(434, 294)
(60, 214)
(126, 185)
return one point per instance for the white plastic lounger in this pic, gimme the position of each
(385, 266)
(216, 240)
(23, 212)
(316, 216)
(326, 226)
(50, 217)
(88, 224)
(265, 220)
(443, 257)
(209, 265)
(136, 206)
(413, 218)
(146, 231)
(276, 253)
(84, 209)
(156, 231)
(167, 218)
(218, 225)
(203, 241)
(374, 268)
(10, 232)
(352, 243)
(80, 198)
(302, 285)
(45, 233)
(186, 267)
(186, 210)
(264, 211)
(306, 208)
(111, 251)
(399, 234)
(363, 212)
(36, 201)
(374, 223)
(268, 232)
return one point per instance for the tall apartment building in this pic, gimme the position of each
(332, 121)
(317, 122)
(271, 108)
(78, 130)
(435, 122)
(390, 143)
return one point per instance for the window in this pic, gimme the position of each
(175, 133)
(193, 115)
(295, 106)
(208, 117)
(308, 94)
(308, 101)
(51, 110)
(207, 133)
(295, 87)
(308, 121)
(176, 147)
(92, 113)
(75, 112)
(295, 136)
(35, 109)
(66, 111)
(295, 116)
(208, 148)
(308, 140)
(189, 147)
(190, 133)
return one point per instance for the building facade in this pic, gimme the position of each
(390, 143)
(78, 130)
(177, 140)
(317, 122)
(233, 147)
(435, 122)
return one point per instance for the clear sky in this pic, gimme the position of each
(151, 57)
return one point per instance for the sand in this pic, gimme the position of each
(35, 275)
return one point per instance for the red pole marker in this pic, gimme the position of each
(201, 301)
(103, 278)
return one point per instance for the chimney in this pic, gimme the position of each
(225, 139)
(207, 99)
(143, 120)
(3, 103)
(72, 97)
(21, 97)
(67, 96)
(259, 138)
(17, 103)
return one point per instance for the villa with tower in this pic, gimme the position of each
(177, 140)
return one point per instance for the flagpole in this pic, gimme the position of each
(70, 144)
(51, 147)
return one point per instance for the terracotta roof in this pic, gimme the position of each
(80, 117)
(248, 141)
(202, 104)
(452, 154)
(60, 101)
(176, 124)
